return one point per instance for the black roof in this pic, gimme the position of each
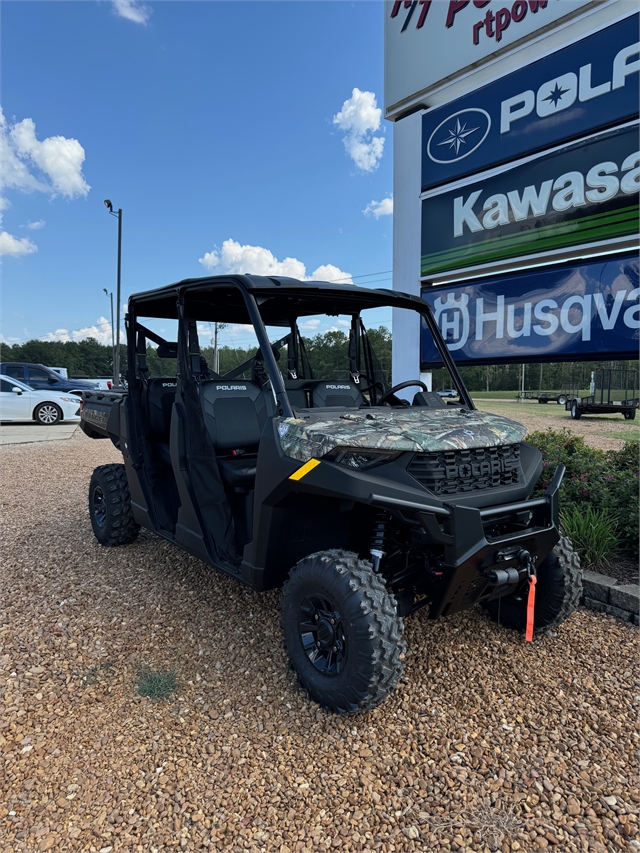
(280, 299)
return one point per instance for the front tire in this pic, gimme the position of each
(47, 414)
(558, 593)
(110, 506)
(342, 632)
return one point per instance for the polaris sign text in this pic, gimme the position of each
(564, 313)
(588, 86)
(586, 193)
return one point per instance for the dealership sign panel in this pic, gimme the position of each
(585, 193)
(588, 86)
(430, 41)
(565, 313)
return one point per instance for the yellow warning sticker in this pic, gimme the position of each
(308, 466)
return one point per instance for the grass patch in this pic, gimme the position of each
(631, 435)
(156, 685)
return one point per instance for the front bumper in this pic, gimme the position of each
(476, 561)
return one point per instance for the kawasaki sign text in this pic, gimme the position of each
(584, 193)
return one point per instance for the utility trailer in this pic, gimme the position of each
(560, 397)
(611, 392)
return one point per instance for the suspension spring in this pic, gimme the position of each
(377, 550)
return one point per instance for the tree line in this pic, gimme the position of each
(327, 354)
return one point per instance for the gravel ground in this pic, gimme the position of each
(606, 432)
(487, 744)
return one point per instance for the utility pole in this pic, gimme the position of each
(113, 346)
(116, 357)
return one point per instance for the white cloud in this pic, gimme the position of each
(379, 208)
(59, 158)
(255, 260)
(310, 325)
(359, 119)
(59, 163)
(16, 246)
(131, 10)
(327, 272)
(101, 331)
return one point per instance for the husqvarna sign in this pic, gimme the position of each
(587, 86)
(575, 311)
(430, 41)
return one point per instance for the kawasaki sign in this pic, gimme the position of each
(571, 312)
(582, 194)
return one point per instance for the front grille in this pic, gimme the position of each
(450, 472)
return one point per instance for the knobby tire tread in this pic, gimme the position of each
(379, 644)
(120, 527)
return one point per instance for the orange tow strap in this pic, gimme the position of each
(530, 607)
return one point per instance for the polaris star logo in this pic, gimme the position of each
(459, 135)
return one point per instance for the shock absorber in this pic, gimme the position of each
(377, 550)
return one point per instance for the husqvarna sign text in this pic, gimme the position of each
(584, 194)
(430, 41)
(577, 311)
(587, 86)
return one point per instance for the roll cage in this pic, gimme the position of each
(273, 301)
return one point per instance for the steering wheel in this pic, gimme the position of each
(399, 387)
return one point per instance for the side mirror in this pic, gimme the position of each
(52, 381)
(16, 390)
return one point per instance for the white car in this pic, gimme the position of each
(19, 402)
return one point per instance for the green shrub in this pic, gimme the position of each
(606, 482)
(592, 532)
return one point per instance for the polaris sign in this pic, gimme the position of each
(587, 86)
(584, 194)
(567, 313)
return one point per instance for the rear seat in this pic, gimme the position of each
(234, 413)
(160, 396)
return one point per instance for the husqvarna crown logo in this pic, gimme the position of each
(459, 135)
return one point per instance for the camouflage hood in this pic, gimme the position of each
(415, 429)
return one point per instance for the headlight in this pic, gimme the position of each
(355, 457)
(69, 399)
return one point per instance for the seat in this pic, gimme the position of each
(239, 473)
(343, 394)
(234, 412)
(160, 396)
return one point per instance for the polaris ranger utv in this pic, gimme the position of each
(362, 505)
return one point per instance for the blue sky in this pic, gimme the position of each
(229, 133)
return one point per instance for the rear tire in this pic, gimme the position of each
(110, 506)
(630, 416)
(562, 400)
(47, 414)
(352, 663)
(576, 412)
(558, 593)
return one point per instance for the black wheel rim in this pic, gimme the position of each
(322, 635)
(99, 506)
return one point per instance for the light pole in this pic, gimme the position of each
(116, 357)
(113, 347)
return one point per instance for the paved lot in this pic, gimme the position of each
(487, 744)
(28, 433)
